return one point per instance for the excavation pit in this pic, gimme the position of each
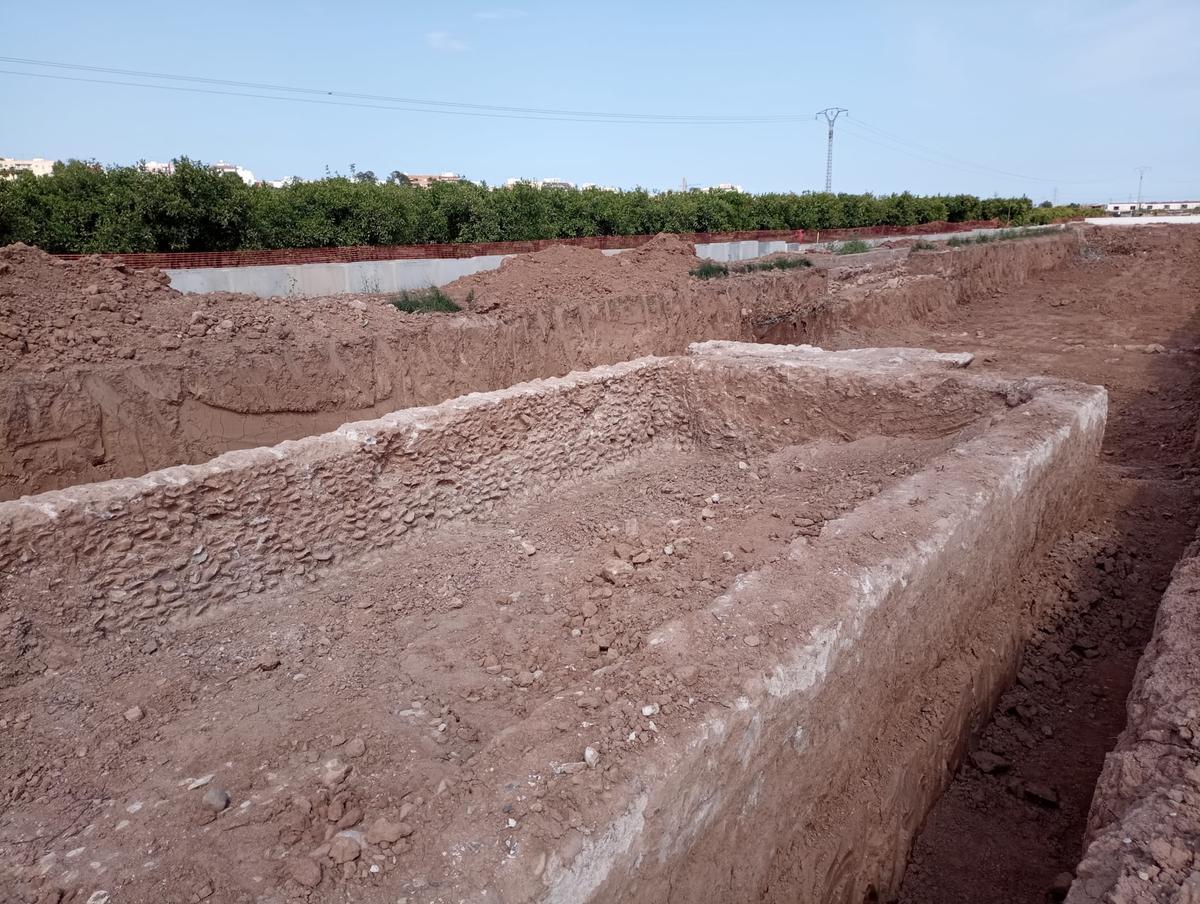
(711, 627)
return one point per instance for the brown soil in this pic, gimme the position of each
(1010, 828)
(56, 314)
(404, 670)
(563, 272)
(110, 373)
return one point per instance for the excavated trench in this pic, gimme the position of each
(70, 424)
(731, 664)
(641, 618)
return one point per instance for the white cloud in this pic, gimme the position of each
(504, 13)
(442, 40)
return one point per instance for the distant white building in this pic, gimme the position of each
(726, 186)
(162, 169)
(241, 172)
(421, 180)
(549, 182)
(1129, 208)
(10, 167)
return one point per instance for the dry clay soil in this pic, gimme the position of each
(1010, 827)
(117, 762)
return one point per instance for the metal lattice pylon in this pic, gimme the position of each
(831, 114)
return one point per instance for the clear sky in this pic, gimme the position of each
(982, 96)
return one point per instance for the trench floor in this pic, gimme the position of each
(1125, 315)
(415, 669)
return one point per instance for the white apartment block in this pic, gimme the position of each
(10, 167)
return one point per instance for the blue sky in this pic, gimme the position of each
(1001, 97)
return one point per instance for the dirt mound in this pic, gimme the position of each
(48, 307)
(57, 313)
(567, 272)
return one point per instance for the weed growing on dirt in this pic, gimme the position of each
(423, 301)
(1004, 235)
(783, 263)
(1008, 234)
(710, 270)
(854, 246)
(780, 263)
(922, 245)
(713, 270)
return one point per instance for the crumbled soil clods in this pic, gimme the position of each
(92, 311)
(1124, 315)
(368, 698)
(567, 272)
(351, 729)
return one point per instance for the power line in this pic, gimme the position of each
(973, 169)
(293, 94)
(950, 159)
(406, 104)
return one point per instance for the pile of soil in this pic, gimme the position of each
(57, 313)
(569, 273)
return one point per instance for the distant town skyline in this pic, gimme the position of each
(42, 166)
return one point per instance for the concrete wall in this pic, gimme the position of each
(398, 275)
(331, 279)
(728, 252)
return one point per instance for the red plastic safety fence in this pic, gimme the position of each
(286, 256)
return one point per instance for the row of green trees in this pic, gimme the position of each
(83, 207)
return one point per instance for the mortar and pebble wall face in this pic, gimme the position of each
(174, 543)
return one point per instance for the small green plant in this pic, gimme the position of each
(781, 263)
(713, 270)
(854, 246)
(469, 301)
(922, 245)
(983, 238)
(1027, 233)
(957, 242)
(423, 301)
(710, 270)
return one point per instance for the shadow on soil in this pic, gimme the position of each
(1010, 827)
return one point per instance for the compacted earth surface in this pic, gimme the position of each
(319, 745)
(1125, 315)
(329, 737)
